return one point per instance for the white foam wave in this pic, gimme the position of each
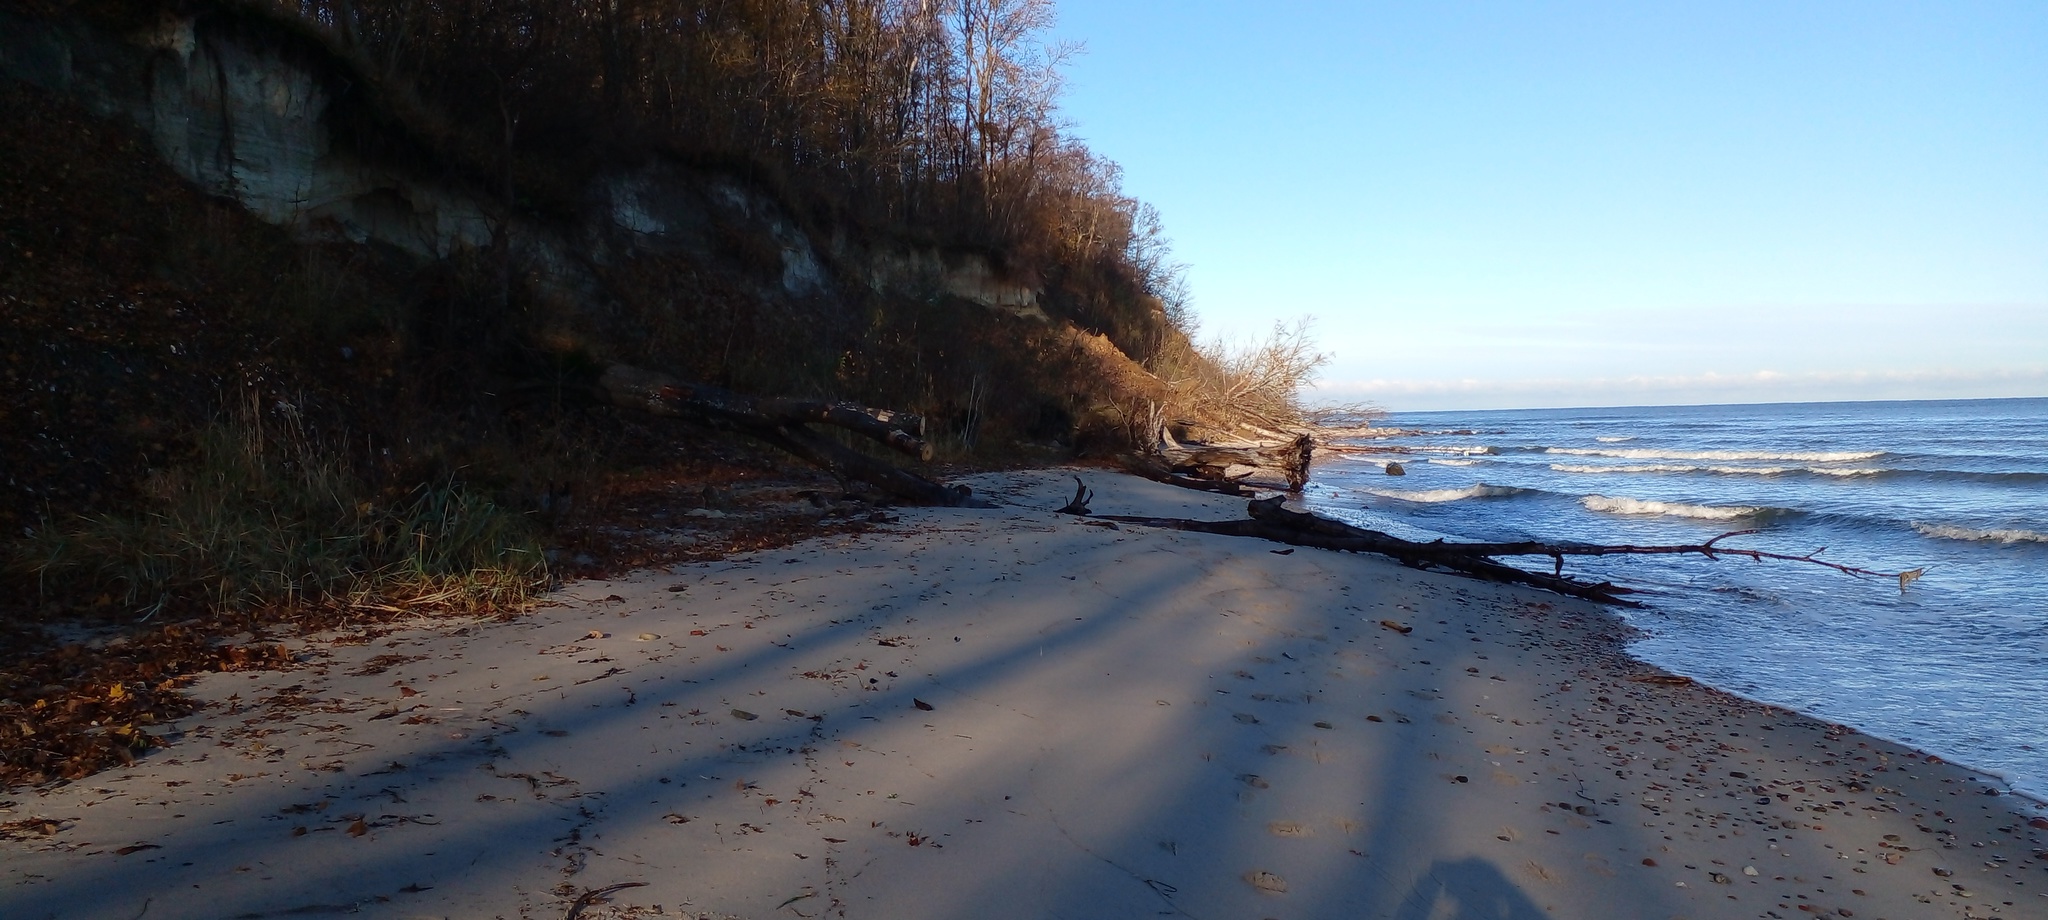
(1977, 535)
(1456, 462)
(1481, 451)
(1658, 453)
(1432, 496)
(1605, 439)
(1727, 470)
(1673, 509)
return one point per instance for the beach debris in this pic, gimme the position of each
(1282, 552)
(1289, 829)
(1661, 680)
(744, 715)
(1396, 469)
(1269, 519)
(1325, 726)
(1749, 871)
(920, 704)
(1245, 717)
(646, 637)
(1079, 504)
(596, 894)
(1254, 780)
(783, 423)
(1266, 881)
(1398, 627)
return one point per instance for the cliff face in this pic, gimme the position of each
(249, 113)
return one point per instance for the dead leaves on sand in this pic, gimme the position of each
(76, 709)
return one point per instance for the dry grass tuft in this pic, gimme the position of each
(264, 515)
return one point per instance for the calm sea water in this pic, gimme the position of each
(1955, 664)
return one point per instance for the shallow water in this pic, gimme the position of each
(1956, 663)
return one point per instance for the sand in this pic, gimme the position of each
(1009, 713)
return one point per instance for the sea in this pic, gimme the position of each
(1954, 663)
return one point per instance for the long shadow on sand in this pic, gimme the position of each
(1469, 889)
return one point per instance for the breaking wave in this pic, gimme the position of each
(1977, 535)
(1656, 453)
(1457, 462)
(1726, 470)
(1605, 439)
(1671, 509)
(1432, 496)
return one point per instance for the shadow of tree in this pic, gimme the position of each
(1469, 889)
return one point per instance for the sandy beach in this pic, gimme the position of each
(1011, 713)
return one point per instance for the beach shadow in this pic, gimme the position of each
(1469, 889)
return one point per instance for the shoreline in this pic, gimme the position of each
(1012, 713)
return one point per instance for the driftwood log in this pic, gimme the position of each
(1267, 519)
(1291, 458)
(1207, 466)
(782, 422)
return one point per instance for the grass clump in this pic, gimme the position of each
(261, 515)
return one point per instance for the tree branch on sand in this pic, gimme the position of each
(1267, 519)
(782, 422)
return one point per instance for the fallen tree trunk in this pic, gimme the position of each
(1211, 463)
(782, 422)
(1267, 519)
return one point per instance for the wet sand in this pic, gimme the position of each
(1009, 713)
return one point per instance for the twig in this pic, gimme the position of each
(593, 894)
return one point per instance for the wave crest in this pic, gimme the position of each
(1658, 453)
(1980, 535)
(1672, 509)
(1726, 470)
(1614, 439)
(1455, 462)
(1432, 496)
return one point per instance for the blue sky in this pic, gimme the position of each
(1500, 205)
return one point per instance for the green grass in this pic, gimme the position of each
(262, 515)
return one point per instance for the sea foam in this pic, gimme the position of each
(1606, 439)
(1657, 453)
(1673, 509)
(1981, 535)
(1724, 470)
(1456, 462)
(1481, 490)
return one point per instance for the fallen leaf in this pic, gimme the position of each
(138, 848)
(358, 829)
(598, 633)
(927, 707)
(744, 715)
(404, 692)
(1401, 628)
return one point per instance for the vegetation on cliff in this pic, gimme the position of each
(214, 420)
